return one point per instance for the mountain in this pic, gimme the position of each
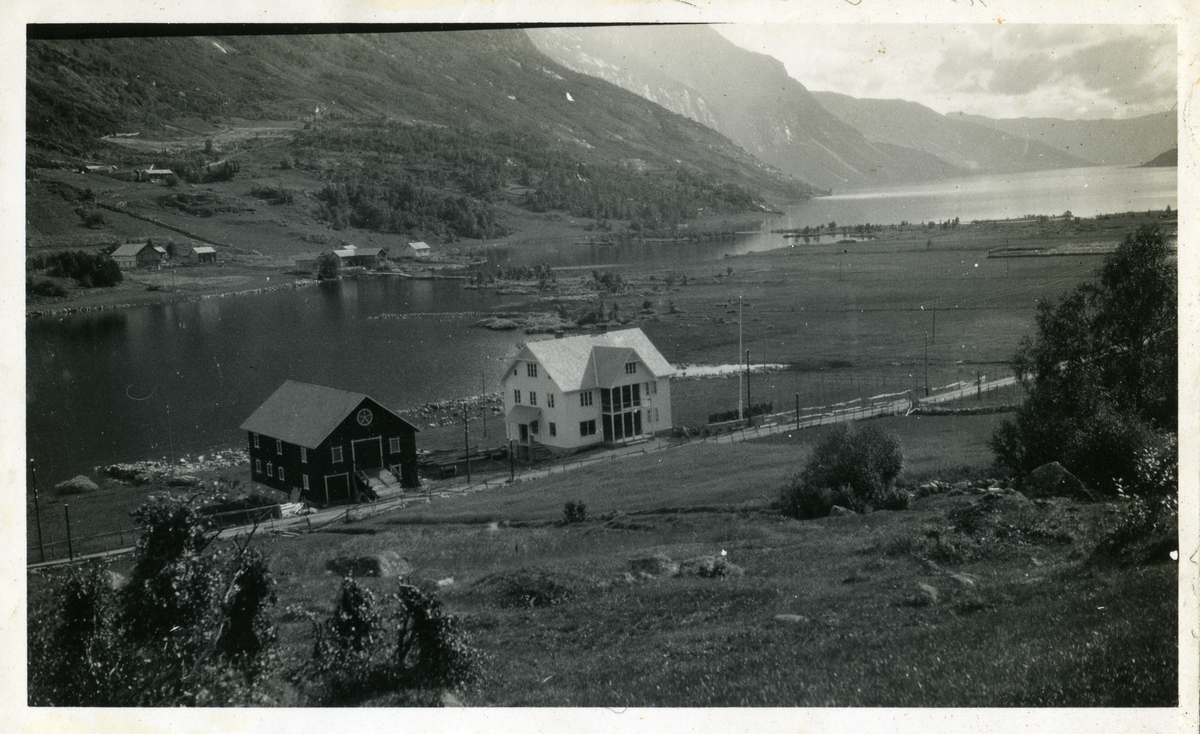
(1165, 159)
(974, 147)
(1100, 142)
(749, 97)
(467, 94)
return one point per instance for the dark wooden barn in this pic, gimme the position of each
(331, 445)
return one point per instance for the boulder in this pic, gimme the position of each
(839, 511)
(709, 567)
(658, 564)
(1052, 480)
(388, 564)
(78, 485)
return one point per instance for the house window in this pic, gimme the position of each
(517, 397)
(531, 369)
(549, 400)
(337, 454)
(270, 469)
(587, 428)
(256, 440)
(585, 399)
(631, 368)
(304, 478)
(553, 429)
(281, 473)
(532, 398)
(303, 455)
(394, 444)
(654, 388)
(514, 371)
(258, 466)
(278, 446)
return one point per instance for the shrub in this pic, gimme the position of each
(575, 511)
(47, 288)
(328, 266)
(891, 498)
(863, 459)
(191, 626)
(407, 641)
(804, 501)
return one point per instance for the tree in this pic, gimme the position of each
(1101, 374)
(328, 266)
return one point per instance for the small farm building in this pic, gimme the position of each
(366, 257)
(330, 445)
(138, 255)
(566, 394)
(202, 254)
(417, 250)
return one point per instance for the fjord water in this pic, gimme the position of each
(152, 381)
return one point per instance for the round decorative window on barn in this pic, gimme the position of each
(364, 417)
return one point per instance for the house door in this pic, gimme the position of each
(367, 453)
(337, 488)
(524, 433)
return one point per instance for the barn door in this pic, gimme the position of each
(367, 453)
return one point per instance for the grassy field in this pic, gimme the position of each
(958, 601)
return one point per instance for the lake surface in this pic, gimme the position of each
(154, 381)
(1085, 192)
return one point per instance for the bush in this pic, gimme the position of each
(190, 627)
(803, 501)
(575, 511)
(854, 468)
(407, 641)
(46, 288)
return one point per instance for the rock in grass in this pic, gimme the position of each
(930, 592)
(839, 511)
(78, 485)
(709, 567)
(1053, 480)
(658, 564)
(388, 564)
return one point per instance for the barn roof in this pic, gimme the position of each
(203, 250)
(595, 360)
(418, 245)
(305, 414)
(129, 250)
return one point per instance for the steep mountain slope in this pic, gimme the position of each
(1101, 142)
(1165, 159)
(974, 147)
(484, 82)
(749, 97)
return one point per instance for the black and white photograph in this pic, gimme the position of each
(618, 364)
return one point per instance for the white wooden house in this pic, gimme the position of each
(567, 394)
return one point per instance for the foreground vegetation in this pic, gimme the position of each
(964, 599)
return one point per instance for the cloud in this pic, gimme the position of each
(1066, 71)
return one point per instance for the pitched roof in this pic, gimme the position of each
(129, 250)
(523, 413)
(304, 414)
(418, 245)
(203, 250)
(595, 360)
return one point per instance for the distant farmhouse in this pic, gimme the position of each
(330, 445)
(366, 257)
(138, 255)
(202, 254)
(567, 394)
(417, 250)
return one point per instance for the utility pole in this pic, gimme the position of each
(749, 403)
(483, 406)
(797, 411)
(926, 365)
(37, 511)
(70, 548)
(512, 468)
(467, 442)
(740, 414)
(933, 337)
(170, 437)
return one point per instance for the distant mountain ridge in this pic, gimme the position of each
(966, 144)
(749, 97)
(1127, 142)
(487, 81)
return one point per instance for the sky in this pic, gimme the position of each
(998, 70)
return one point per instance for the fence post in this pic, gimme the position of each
(70, 548)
